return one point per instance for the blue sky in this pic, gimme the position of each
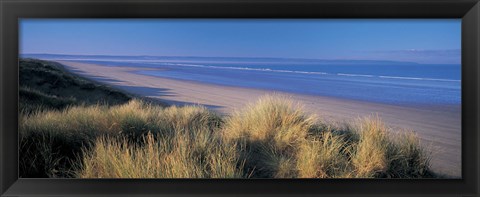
(433, 41)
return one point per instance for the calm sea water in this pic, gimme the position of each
(375, 81)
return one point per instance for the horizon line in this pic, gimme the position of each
(257, 57)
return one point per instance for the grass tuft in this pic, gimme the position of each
(271, 130)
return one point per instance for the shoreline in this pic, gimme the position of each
(435, 107)
(436, 127)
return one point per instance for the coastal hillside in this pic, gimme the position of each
(47, 85)
(71, 127)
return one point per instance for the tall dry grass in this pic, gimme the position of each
(323, 157)
(379, 153)
(85, 134)
(181, 142)
(371, 152)
(272, 138)
(184, 157)
(270, 132)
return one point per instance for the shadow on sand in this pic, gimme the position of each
(151, 94)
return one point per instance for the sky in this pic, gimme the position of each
(428, 41)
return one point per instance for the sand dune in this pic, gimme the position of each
(439, 127)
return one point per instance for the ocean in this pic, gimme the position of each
(389, 82)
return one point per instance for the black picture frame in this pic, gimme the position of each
(467, 10)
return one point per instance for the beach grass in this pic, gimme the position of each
(64, 135)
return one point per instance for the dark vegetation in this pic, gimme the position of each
(46, 85)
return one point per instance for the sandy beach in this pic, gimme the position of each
(438, 127)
